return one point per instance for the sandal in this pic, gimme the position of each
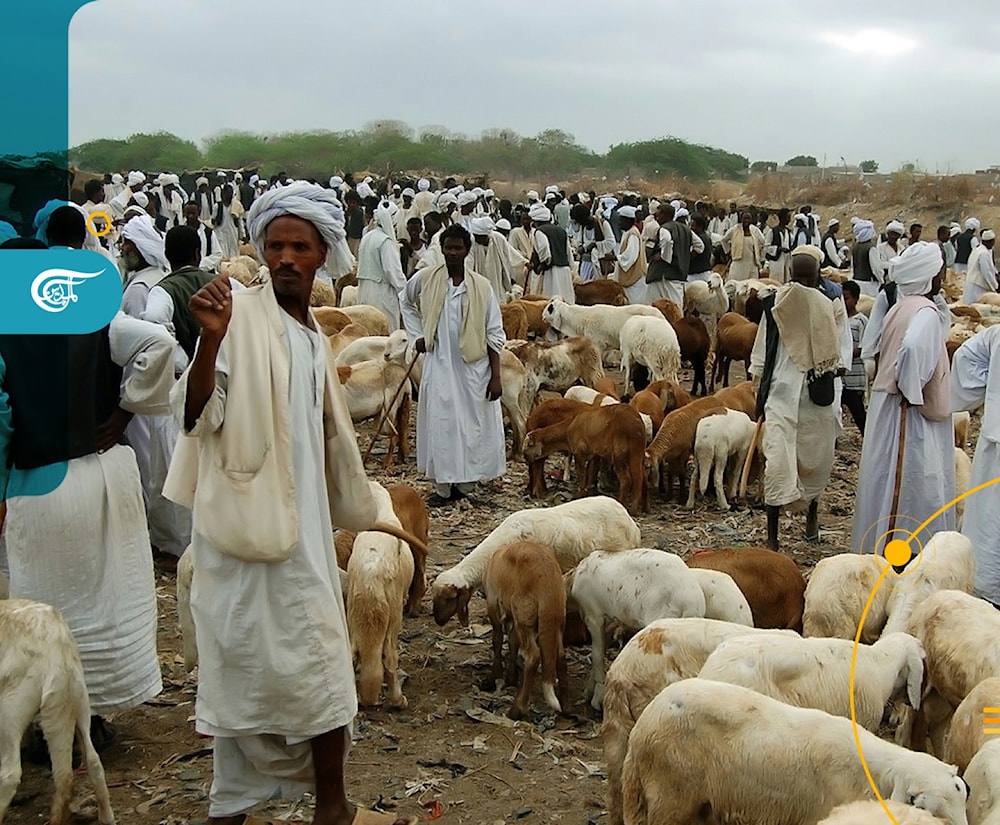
(366, 817)
(434, 500)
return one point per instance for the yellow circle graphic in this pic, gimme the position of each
(90, 224)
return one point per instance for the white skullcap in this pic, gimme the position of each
(681, 213)
(609, 201)
(161, 178)
(238, 176)
(988, 235)
(676, 204)
(800, 218)
(832, 222)
(864, 231)
(583, 197)
(532, 195)
(134, 209)
(489, 193)
(423, 184)
(446, 199)
(220, 174)
(457, 190)
(311, 203)
(466, 198)
(255, 178)
(396, 186)
(141, 198)
(368, 179)
(539, 212)
(116, 178)
(135, 178)
(147, 240)
(627, 212)
(335, 181)
(504, 224)
(955, 230)
(482, 226)
(813, 252)
(972, 223)
(477, 191)
(408, 193)
(855, 220)
(915, 268)
(895, 226)
(552, 190)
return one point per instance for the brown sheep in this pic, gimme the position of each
(670, 310)
(608, 387)
(411, 510)
(331, 320)
(692, 336)
(515, 321)
(741, 397)
(545, 414)
(533, 312)
(615, 433)
(672, 395)
(674, 442)
(772, 583)
(649, 403)
(733, 342)
(344, 281)
(349, 334)
(322, 294)
(600, 292)
(659, 399)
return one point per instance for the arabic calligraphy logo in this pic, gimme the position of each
(52, 290)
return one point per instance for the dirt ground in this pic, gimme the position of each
(452, 755)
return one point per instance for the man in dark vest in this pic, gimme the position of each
(831, 246)
(669, 260)
(168, 300)
(552, 256)
(700, 267)
(965, 243)
(861, 257)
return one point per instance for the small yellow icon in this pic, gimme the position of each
(994, 721)
(90, 224)
(898, 552)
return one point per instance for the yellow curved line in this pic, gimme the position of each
(854, 719)
(953, 502)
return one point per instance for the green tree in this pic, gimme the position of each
(802, 160)
(869, 166)
(761, 166)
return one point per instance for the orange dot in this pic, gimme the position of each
(898, 552)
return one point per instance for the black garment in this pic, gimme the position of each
(557, 243)
(854, 400)
(180, 285)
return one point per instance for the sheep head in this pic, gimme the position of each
(531, 449)
(396, 347)
(451, 600)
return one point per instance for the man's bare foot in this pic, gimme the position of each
(352, 815)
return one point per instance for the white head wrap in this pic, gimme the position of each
(504, 224)
(489, 193)
(627, 212)
(423, 184)
(465, 198)
(238, 176)
(915, 268)
(364, 190)
(482, 225)
(220, 174)
(477, 191)
(583, 197)
(539, 212)
(864, 231)
(134, 210)
(955, 230)
(408, 193)
(368, 179)
(141, 198)
(532, 196)
(676, 204)
(175, 179)
(445, 200)
(813, 252)
(147, 240)
(385, 217)
(116, 178)
(336, 181)
(254, 179)
(202, 181)
(457, 190)
(396, 187)
(895, 226)
(552, 190)
(988, 235)
(681, 213)
(135, 178)
(161, 179)
(832, 222)
(972, 223)
(311, 203)
(956, 225)
(855, 220)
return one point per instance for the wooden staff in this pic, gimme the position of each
(899, 467)
(745, 475)
(385, 410)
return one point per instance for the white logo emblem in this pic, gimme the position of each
(52, 289)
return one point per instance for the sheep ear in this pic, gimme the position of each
(464, 596)
(914, 678)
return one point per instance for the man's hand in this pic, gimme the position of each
(420, 346)
(110, 432)
(495, 388)
(212, 307)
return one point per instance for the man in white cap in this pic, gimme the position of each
(797, 358)
(365, 189)
(668, 260)
(981, 276)
(630, 258)
(380, 271)
(466, 206)
(552, 257)
(203, 197)
(407, 209)
(275, 683)
(424, 199)
(491, 256)
(113, 186)
(866, 259)
(975, 384)
(890, 248)
(831, 247)
(133, 184)
(907, 467)
(965, 242)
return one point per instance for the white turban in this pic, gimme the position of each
(220, 174)
(627, 212)
(203, 181)
(813, 252)
(423, 184)
(116, 178)
(254, 179)
(385, 218)
(955, 230)
(895, 226)
(445, 200)
(368, 179)
(800, 218)
(864, 231)
(552, 190)
(311, 203)
(396, 186)
(336, 181)
(465, 198)
(238, 176)
(854, 220)
(141, 198)
(681, 213)
(916, 267)
(176, 179)
(972, 223)
(489, 193)
(583, 197)
(408, 193)
(539, 212)
(532, 195)
(161, 178)
(364, 190)
(676, 204)
(989, 235)
(832, 222)
(477, 191)
(504, 224)
(482, 226)
(457, 190)
(147, 240)
(135, 178)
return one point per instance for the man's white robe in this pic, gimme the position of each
(380, 274)
(493, 263)
(981, 277)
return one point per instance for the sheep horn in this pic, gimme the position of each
(399, 533)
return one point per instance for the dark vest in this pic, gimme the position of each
(680, 261)
(826, 256)
(702, 262)
(964, 246)
(891, 293)
(861, 263)
(62, 388)
(180, 285)
(557, 242)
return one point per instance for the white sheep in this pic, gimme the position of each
(702, 745)
(370, 388)
(723, 598)
(983, 776)
(963, 474)
(966, 734)
(372, 318)
(41, 674)
(660, 654)
(633, 587)
(401, 350)
(653, 343)
(378, 582)
(573, 530)
(601, 324)
(709, 299)
(722, 442)
(558, 365)
(185, 577)
(349, 296)
(816, 672)
(871, 811)
(369, 348)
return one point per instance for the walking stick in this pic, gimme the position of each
(745, 475)
(899, 468)
(385, 410)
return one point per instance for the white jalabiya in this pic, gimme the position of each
(380, 274)
(799, 437)
(928, 479)
(627, 255)
(975, 381)
(226, 234)
(424, 203)
(493, 263)
(871, 341)
(401, 218)
(274, 659)
(981, 276)
(137, 288)
(557, 280)
(84, 547)
(460, 435)
(750, 264)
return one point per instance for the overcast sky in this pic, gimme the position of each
(893, 81)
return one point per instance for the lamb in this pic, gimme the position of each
(692, 336)
(369, 388)
(332, 320)
(349, 334)
(525, 599)
(709, 300)
(723, 599)
(601, 291)
(573, 530)
(546, 414)
(772, 583)
(369, 316)
(983, 776)
(379, 574)
(599, 399)
(615, 433)
(668, 309)
(721, 443)
(41, 674)
(744, 770)
(653, 343)
(674, 441)
(660, 654)
(871, 811)
(557, 366)
(322, 294)
(635, 588)
(966, 735)
(369, 348)
(348, 296)
(960, 421)
(816, 673)
(963, 473)
(515, 321)
(600, 324)
(733, 342)
(185, 578)
(400, 350)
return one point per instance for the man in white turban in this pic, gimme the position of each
(365, 190)
(797, 358)
(965, 242)
(552, 257)
(866, 259)
(114, 187)
(981, 276)
(491, 256)
(133, 184)
(145, 263)
(907, 461)
(407, 209)
(380, 270)
(466, 207)
(424, 199)
(276, 684)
